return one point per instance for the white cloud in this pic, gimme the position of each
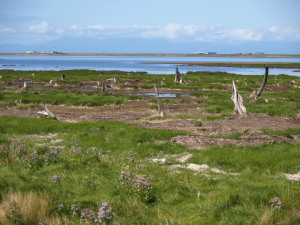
(284, 33)
(7, 30)
(40, 28)
(97, 27)
(43, 32)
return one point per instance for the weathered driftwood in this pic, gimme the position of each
(25, 84)
(159, 105)
(46, 112)
(237, 99)
(178, 78)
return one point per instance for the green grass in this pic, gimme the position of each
(234, 136)
(179, 198)
(61, 96)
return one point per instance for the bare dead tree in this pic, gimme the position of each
(178, 78)
(237, 99)
(159, 105)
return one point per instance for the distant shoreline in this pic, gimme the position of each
(235, 64)
(161, 54)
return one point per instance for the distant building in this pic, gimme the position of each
(56, 52)
(201, 53)
(248, 53)
(211, 53)
(32, 52)
(204, 53)
(259, 53)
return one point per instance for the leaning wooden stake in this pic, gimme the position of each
(263, 84)
(237, 99)
(159, 105)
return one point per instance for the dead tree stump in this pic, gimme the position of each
(46, 112)
(159, 105)
(237, 99)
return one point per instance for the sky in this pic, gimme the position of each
(172, 26)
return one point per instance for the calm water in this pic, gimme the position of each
(133, 63)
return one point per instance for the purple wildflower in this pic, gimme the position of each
(60, 207)
(125, 178)
(19, 148)
(53, 155)
(76, 150)
(276, 203)
(104, 214)
(87, 214)
(55, 179)
(94, 184)
(142, 183)
(74, 210)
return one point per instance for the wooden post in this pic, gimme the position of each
(177, 76)
(63, 76)
(103, 87)
(159, 106)
(263, 84)
(115, 79)
(237, 99)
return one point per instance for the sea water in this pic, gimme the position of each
(149, 64)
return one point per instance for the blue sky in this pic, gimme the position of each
(173, 23)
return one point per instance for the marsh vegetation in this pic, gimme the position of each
(109, 158)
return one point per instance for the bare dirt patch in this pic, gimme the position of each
(207, 134)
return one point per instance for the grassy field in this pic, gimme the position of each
(112, 172)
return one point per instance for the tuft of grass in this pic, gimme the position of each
(234, 136)
(198, 123)
(27, 208)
